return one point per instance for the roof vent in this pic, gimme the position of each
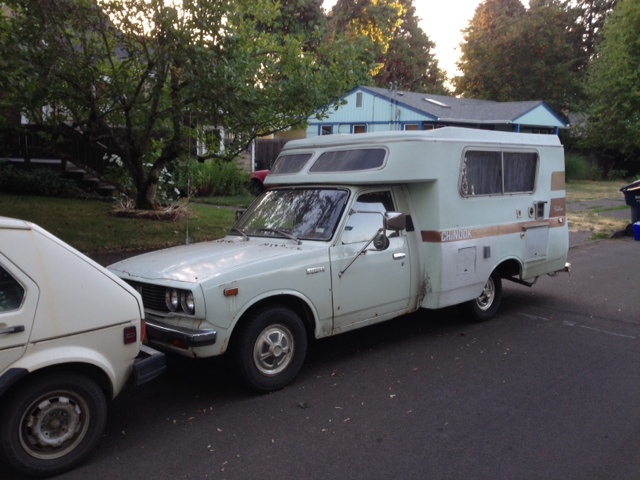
(435, 102)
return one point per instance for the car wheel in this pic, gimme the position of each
(52, 423)
(257, 187)
(487, 304)
(271, 348)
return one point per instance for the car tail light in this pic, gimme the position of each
(130, 335)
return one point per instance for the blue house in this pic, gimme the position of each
(372, 109)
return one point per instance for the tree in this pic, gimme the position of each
(513, 54)
(614, 84)
(409, 62)
(486, 40)
(148, 78)
(593, 14)
(370, 24)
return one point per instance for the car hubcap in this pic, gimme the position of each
(273, 350)
(485, 300)
(53, 426)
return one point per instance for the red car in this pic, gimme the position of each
(257, 181)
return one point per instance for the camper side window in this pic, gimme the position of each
(498, 173)
(361, 226)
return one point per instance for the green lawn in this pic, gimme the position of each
(88, 226)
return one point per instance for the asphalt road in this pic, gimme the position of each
(550, 389)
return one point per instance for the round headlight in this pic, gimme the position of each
(172, 299)
(187, 302)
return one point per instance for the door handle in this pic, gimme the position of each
(399, 256)
(14, 329)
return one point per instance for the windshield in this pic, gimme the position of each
(300, 213)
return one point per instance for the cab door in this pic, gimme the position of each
(18, 300)
(376, 285)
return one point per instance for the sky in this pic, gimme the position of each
(442, 21)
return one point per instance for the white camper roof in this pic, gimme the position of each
(391, 157)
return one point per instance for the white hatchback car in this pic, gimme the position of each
(70, 340)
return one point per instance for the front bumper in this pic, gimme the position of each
(148, 365)
(180, 337)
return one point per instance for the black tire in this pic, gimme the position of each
(50, 424)
(487, 304)
(270, 348)
(256, 187)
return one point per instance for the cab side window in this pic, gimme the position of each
(11, 292)
(364, 224)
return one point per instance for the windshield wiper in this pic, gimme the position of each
(245, 237)
(284, 234)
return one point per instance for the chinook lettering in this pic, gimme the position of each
(454, 235)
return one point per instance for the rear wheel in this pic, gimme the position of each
(270, 348)
(487, 304)
(52, 423)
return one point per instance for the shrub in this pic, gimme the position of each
(617, 174)
(577, 168)
(211, 178)
(39, 181)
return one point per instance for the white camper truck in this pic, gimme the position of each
(358, 229)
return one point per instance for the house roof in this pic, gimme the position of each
(465, 110)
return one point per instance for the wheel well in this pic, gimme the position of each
(299, 306)
(90, 371)
(509, 268)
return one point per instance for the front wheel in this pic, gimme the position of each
(487, 304)
(52, 423)
(270, 348)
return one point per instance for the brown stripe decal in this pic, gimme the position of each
(460, 234)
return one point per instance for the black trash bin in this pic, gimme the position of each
(632, 198)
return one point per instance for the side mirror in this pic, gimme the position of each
(395, 221)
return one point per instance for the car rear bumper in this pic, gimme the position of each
(148, 365)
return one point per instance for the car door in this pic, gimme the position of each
(377, 284)
(18, 300)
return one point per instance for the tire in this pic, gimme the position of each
(51, 424)
(487, 304)
(270, 348)
(256, 187)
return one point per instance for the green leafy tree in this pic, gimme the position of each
(148, 79)
(370, 25)
(513, 54)
(614, 84)
(592, 16)
(409, 62)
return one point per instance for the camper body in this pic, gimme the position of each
(358, 229)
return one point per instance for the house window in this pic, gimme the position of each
(498, 173)
(359, 100)
(209, 140)
(326, 129)
(359, 129)
(411, 126)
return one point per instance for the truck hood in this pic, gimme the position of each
(198, 262)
